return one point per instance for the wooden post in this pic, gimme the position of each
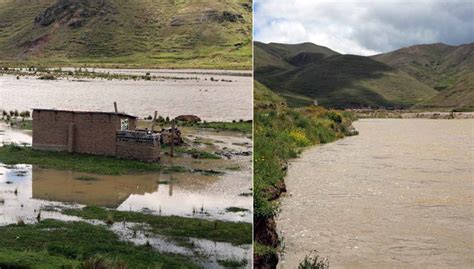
(172, 138)
(115, 107)
(154, 121)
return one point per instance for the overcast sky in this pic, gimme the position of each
(364, 27)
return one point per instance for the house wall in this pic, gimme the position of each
(138, 145)
(92, 133)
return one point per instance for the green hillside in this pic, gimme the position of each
(302, 73)
(458, 96)
(437, 65)
(448, 69)
(122, 33)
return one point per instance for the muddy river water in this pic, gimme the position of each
(27, 189)
(227, 97)
(399, 195)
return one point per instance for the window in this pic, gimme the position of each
(123, 124)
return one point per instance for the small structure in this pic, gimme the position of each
(138, 145)
(98, 133)
(315, 102)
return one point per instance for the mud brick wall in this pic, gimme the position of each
(92, 133)
(138, 145)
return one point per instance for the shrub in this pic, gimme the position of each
(314, 262)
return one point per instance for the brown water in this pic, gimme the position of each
(399, 195)
(210, 100)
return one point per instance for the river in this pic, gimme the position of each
(399, 195)
(227, 97)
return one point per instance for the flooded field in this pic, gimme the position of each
(399, 195)
(194, 93)
(27, 191)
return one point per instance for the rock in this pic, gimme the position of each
(177, 21)
(72, 11)
(230, 17)
(188, 118)
(208, 15)
(75, 23)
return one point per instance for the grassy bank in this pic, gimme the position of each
(14, 154)
(280, 134)
(236, 233)
(240, 126)
(57, 244)
(236, 126)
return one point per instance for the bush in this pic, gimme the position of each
(314, 262)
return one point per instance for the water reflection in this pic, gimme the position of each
(87, 189)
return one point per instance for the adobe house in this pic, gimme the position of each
(98, 133)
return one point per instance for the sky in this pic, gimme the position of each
(364, 27)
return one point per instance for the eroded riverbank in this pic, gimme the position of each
(398, 195)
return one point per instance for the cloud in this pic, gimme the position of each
(364, 28)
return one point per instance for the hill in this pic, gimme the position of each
(459, 96)
(122, 33)
(304, 72)
(438, 65)
(448, 69)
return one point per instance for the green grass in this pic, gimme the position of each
(19, 123)
(128, 34)
(13, 154)
(263, 250)
(232, 263)
(57, 244)
(236, 209)
(236, 233)
(237, 126)
(198, 154)
(33, 259)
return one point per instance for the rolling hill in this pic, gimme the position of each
(304, 72)
(141, 33)
(448, 69)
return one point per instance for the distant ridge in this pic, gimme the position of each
(448, 69)
(303, 72)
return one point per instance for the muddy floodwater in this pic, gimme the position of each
(399, 195)
(226, 98)
(25, 190)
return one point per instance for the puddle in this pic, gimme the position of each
(205, 252)
(27, 191)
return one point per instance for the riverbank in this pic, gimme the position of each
(281, 133)
(412, 114)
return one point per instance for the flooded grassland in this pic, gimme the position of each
(399, 195)
(211, 95)
(193, 207)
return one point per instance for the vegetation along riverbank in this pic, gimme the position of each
(280, 134)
